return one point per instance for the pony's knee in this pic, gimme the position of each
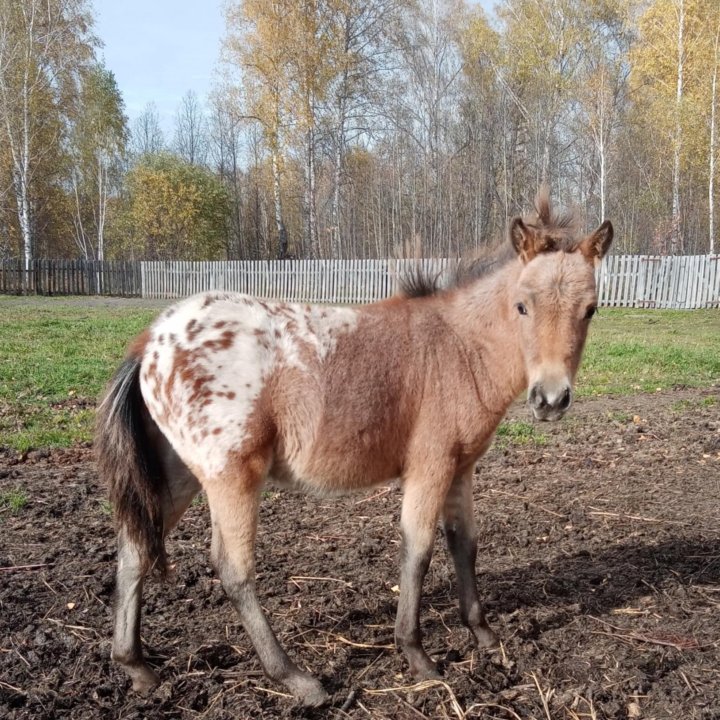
(238, 584)
(237, 578)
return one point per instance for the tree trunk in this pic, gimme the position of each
(80, 235)
(102, 207)
(311, 244)
(23, 189)
(711, 179)
(279, 224)
(676, 235)
(336, 248)
(601, 152)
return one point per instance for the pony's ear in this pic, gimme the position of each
(523, 239)
(527, 241)
(594, 246)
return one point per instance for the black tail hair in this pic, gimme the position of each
(130, 467)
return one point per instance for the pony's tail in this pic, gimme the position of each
(131, 469)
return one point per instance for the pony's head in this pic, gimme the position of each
(553, 302)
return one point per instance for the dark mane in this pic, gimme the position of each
(556, 231)
(416, 282)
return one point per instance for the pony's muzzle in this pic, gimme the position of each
(549, 402)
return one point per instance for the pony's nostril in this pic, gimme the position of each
(537, 397)
(564, 401)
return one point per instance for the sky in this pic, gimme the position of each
(160, 49)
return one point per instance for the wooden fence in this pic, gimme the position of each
(331, 281)
(71, 277)
(683, 282)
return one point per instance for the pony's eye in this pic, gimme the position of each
(521, 309)
(590, 312)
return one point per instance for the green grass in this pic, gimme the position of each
(518, 432)
(13, 500)
(620, 416)
(630, 351)
(56, 356)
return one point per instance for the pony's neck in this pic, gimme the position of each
(481, 315)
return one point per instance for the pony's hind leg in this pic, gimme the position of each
(234, 500)
(461, 536)
(126, 646)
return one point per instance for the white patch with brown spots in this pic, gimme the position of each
(209, 358)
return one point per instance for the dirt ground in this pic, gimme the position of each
(599, 562)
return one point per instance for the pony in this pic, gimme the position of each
(224, 392)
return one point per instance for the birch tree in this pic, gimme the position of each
(97, 150)
(255, 45)
(176, 210)
(713, 23)
(43, 45)
(362, 33)
(543, 43)
(671, 83)
(602, 90)
(425, 102)
(675, 238)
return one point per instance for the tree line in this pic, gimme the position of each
(373, 128)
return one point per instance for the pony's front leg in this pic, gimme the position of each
(461, 536)
(234, 509)
(422, 503)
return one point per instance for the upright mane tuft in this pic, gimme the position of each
(558, 227)
(543, 207)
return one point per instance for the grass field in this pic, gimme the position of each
(644, 350)
(56, 356)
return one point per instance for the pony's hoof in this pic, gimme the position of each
(308, 691)
(144, 680)
(485, 638)
(428, 673)
(315, 698)
(424, 668)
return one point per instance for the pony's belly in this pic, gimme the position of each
(335, 476)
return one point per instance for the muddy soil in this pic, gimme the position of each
(599, 563)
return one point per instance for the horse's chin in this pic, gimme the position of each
(548, 415)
